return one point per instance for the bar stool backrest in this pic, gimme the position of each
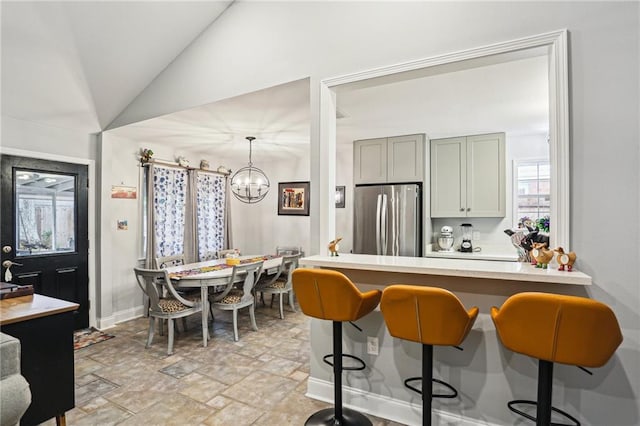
(427, 315)
(558, 328)
(330, 295)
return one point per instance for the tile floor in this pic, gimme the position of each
(259, 380)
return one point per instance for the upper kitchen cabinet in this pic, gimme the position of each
(468, 176)
(389, 160)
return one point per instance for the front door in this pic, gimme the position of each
(44, 229)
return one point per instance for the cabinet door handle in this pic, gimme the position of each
(461, 209)
(468, 209)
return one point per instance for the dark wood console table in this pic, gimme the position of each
(44, 326)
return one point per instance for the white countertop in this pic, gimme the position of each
(515, 271)
(486, 253)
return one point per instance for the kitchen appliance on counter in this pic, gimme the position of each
(445, 240)
(387, 220)
(467, 235)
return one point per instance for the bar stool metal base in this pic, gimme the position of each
(543, 404)
(359, 367)
(568, 416)
(339, 415)
(453, 394)
(327, 417)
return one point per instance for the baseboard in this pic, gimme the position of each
(385, 407)
(106, 322)
(120, 316)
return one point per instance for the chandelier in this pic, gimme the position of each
(250, 184)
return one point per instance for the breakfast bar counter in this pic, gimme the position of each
(484, 379)
(462, 268)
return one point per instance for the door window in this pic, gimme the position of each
(46, 215)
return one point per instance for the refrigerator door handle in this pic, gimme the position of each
(384, 223)
(396, 227)
(378, 208)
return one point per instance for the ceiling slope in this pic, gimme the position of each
(79, 64)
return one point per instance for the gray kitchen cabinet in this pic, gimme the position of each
(389, 160)
(468, 176)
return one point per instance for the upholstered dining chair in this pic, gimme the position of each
(281, 250)
(165, 302)
(233, 298)
(169, 261)
(210, 255)
(280, 283)
(222, 253)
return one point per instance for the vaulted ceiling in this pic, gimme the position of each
(78, 64)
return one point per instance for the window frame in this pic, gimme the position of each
(538, 161)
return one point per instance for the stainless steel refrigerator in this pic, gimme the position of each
(388, 220)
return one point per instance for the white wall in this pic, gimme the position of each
(257, 228)
(344, 177)
(37, 137)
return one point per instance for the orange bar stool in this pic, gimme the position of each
(556, 328)
(430, 316)
(330, 295)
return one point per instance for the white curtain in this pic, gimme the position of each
(210, 202)
(187, 213)
(167, 199)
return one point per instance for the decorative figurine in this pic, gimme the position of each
(523, 239)
(145, 155)
(333, 246)
(565, 259)
(541, 254)
(204, 164)
(183, 162)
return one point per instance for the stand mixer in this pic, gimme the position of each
(445, 240)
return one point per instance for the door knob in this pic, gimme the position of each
(8, 264)
(6, 249)
(7, 274)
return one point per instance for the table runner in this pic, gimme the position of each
(205, 269)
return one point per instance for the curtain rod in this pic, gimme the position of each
(178, 166)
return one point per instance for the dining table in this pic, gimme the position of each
(214, 273)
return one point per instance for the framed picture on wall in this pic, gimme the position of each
(293, 198)
(124, 192)
(340, 197)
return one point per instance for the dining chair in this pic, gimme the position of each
(280, 250)
(233, 298)
(165, 302)
(210, 255)
(280, 283)
(169, 261)
(222, 253)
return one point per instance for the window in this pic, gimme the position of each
(188, 208)
(531, 189)
(45, 222)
